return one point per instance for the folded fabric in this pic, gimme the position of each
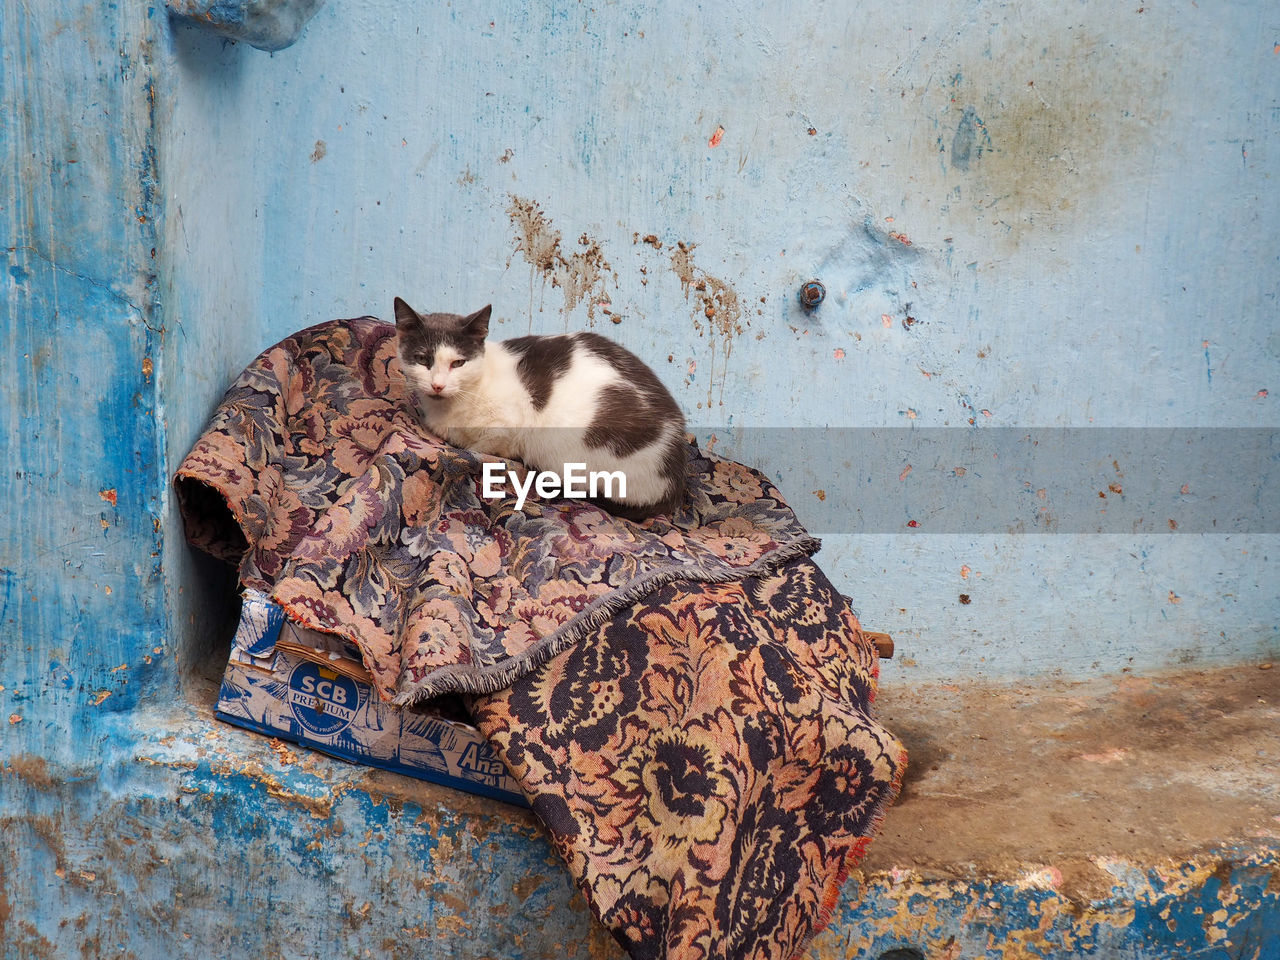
(685, 702)
(707, 764)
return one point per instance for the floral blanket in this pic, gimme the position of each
(686, 702)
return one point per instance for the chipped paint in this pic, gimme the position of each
(376, 854)
(1224, 905)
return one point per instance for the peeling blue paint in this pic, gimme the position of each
(399, 869)
(1223, 905)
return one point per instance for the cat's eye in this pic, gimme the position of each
(456, 364)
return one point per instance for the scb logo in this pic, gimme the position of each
(322, 701)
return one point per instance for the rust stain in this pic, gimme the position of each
(452, 901)
(36, 942)
(358, 917)
(148, 368)
(716, 137)
(717, 311)
(527, 885)
(580, 275)
(97, 698)
(51, 833)
(320, 150)
(29, 767)
(108, 495)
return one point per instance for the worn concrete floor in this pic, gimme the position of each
(1005, 780)
(1034, 789)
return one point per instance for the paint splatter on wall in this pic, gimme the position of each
(717, 313)
(580, 275)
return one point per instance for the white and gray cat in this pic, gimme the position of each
(547, 401)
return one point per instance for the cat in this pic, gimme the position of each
(547, 401)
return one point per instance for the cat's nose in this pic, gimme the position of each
(438, 387)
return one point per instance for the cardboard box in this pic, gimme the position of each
(312, 688)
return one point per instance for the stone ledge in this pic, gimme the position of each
(176, 830)
(1127, 817)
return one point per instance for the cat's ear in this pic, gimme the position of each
(406, 316)
(477, 325)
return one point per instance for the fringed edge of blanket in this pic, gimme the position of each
(469, 679)
(831, 897)
(466, 678)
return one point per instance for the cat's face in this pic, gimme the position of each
(440, 353)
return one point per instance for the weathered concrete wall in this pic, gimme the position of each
(83, 618)
(1025, 216)
(181, 835)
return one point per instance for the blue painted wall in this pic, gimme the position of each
(84, 624)
(1026, 216)
(1046, 215)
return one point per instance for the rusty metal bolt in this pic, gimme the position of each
(812, 294)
